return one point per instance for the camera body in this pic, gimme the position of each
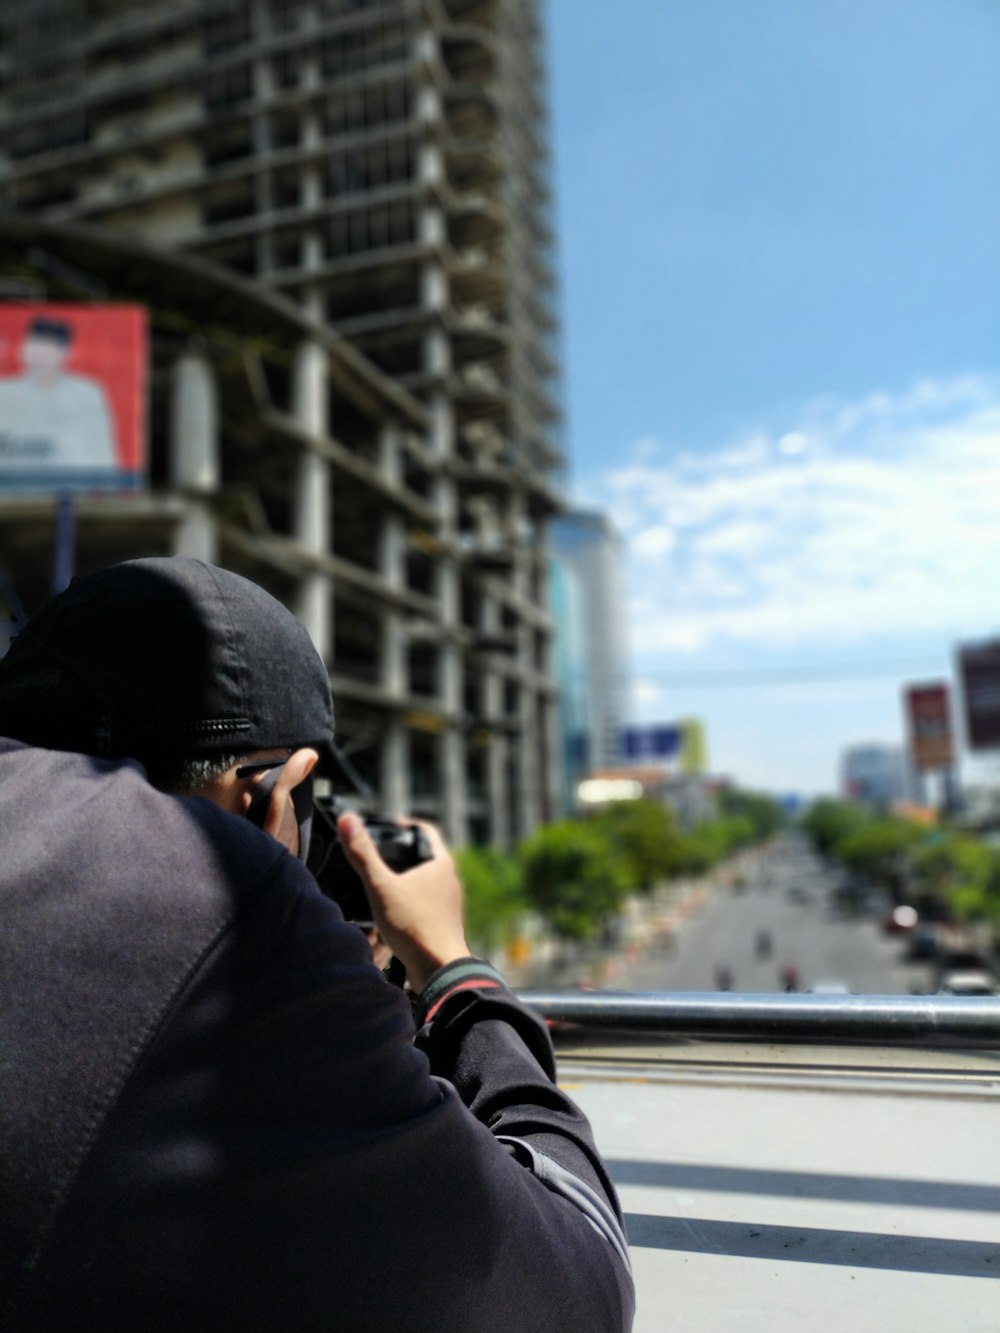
(401, 847)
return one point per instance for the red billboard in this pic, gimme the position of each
(72, 397)
(979, 669)
(929, 726)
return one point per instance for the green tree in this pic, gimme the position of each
(881, 848)
(762, 813)
(703, 846)
(829, 822)
(644, 835)
(960, 870)
(574, 878)
(494, 894)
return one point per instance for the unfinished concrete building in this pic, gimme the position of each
(382, 164)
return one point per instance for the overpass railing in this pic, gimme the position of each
(942, 1021)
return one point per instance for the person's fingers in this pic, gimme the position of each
(434, 837)
(280, 819)
(360, 850)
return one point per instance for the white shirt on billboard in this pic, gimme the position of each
(58, 424)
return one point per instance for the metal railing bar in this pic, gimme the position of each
(924, 1020)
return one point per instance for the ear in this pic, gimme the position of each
(280, 819)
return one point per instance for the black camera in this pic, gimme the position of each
(401, 847)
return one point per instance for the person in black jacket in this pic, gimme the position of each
(216, 1112)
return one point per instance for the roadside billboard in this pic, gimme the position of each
(72, 397)
(659, 741)
(694, 747)
(929, 726)
(979, 671)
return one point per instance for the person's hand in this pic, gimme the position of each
(381, 953)
(418, 913)
(281, 821)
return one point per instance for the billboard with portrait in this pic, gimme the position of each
(72, 397)
(929, 724)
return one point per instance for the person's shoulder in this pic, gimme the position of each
(129, 827)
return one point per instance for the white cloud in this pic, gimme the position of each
(794, 442)
(656, 541)
(646, 694)
(863, 518)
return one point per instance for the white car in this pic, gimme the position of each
(968, 983)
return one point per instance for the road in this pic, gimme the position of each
(786, 893)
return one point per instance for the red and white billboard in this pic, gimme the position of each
(72, 397)
(929, 725)
(979, 668)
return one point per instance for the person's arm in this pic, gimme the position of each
(491, 1048)
(498, 1054)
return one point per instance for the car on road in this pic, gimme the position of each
(974, 982)
(965, 972)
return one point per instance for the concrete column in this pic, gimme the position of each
(498, 800)
(312, 76)
(430, 166)
(450, 661)
(312, 307)
(436, 351)
(433, 287)
(194, 454)
(392, 567)
(312, 188)
(392, 561)
(311, 194)
(432, 229)
(312, 251)
(390, 455)
(456, 804)
(312, 495)
(451, 689)
(395, 766)
(529, 768)
(552, 776)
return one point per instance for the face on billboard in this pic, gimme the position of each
(72, 398)
(44, 356)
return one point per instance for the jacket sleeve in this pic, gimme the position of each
(498, 1054)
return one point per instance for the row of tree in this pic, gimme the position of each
(946, 872)
(577, 874)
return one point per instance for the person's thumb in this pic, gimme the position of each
(361, 851)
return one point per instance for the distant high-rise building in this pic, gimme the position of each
(383, 165)
(591, 551)
(879, 775)
(566, 602)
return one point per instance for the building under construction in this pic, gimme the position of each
(372, 174)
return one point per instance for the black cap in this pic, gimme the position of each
(176, 658)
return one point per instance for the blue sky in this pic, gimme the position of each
(779, 228)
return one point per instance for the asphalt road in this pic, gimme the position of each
(787, 894)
